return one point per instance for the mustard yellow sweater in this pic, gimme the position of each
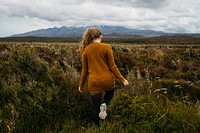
(99, 65)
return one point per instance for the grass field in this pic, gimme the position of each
(39, 81)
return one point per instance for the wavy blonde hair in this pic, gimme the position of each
(88, 37)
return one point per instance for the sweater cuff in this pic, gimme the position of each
(122, 79)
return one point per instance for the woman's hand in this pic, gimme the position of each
(80, 89)
(126, 83)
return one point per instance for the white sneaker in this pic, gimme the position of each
(102, 114)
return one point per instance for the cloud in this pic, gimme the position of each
(15, 25)
(133, 3)
(54, 10)
(165, 15)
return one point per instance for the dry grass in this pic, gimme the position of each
(39, 80)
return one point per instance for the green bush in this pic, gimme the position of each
(39, 81)
(151, 114)
(177, 89)
(36, 95)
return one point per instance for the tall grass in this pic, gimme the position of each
(39, 81)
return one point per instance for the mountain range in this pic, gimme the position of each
(110, 31)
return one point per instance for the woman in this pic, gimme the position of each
(99, 66)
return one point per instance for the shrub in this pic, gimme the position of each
(36, 95)
(151, 114)
(39, 81)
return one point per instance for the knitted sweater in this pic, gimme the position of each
(99, 65)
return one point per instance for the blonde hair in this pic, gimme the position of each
(88, 37)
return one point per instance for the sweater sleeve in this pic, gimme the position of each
(84, 71)
(113, 66)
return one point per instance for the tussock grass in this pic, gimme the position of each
(39, 81)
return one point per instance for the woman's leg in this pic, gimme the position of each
(108, 96)
(96, 99)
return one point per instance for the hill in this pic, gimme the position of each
(111, 31)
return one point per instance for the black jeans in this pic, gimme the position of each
(96, 99)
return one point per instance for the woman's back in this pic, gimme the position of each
(96, 55)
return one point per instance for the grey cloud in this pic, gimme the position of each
(162, 15)
(152, 4)
(59, 10)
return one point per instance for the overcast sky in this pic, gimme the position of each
(18, 16)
